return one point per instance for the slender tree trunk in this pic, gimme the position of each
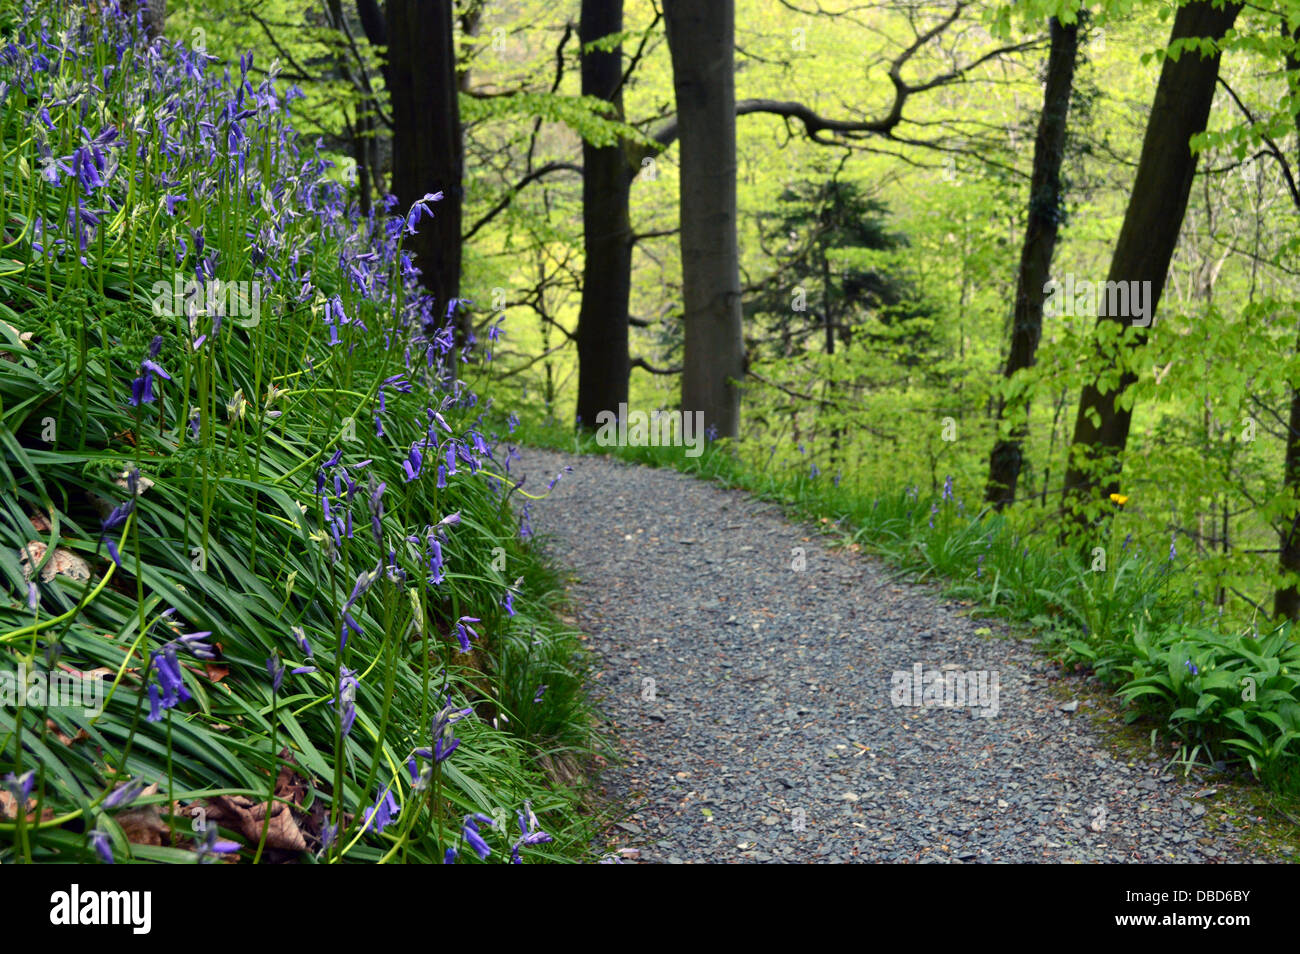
(1041, 230)
(359, 128)
(603, 365)
(376, 31)
(154, 18)
(372, 22)
(1146, 243)
(428, 149)
(701, 42)
(1286, 601)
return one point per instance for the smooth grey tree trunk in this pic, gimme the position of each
(702, 46)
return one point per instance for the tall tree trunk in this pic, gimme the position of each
(1146, 242)
(1286, 601)
(1041, 230)
(603, 365)
(428, 148)
(372, 22)
(701, 43)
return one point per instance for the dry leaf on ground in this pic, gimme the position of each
(64, 562)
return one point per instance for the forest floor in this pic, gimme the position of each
(753, 709)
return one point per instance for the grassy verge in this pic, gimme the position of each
(258, 550)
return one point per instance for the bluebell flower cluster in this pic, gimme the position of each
(382, 813)
(530, 833)
(193, 134)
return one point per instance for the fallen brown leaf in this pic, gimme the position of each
(64, 563)
(9, 808)
(143, 825)
(82, 734)
(216, 673)
(242, 814)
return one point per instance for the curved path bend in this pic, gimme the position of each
(755, 703)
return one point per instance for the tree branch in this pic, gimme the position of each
(641, 363)
(504, 203)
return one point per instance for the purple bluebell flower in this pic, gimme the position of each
(170, 689)
(376, 506)
(103, 847)
(463, 632)
(20, 786)
(470, 832)
(115, 519)
(345, 700)
(301, 638)
(363, 583)
(443, 732)
(90, 163)
(435, 561)
(212, 845)
(382, 813)
(142, 387)
(53, 170)
(275, 669)
(530, 833)
(196, 645)
(123, 795)
(414, 461)
(398, 383)
(420, 210)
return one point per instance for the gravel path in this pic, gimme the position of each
(753, 701)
